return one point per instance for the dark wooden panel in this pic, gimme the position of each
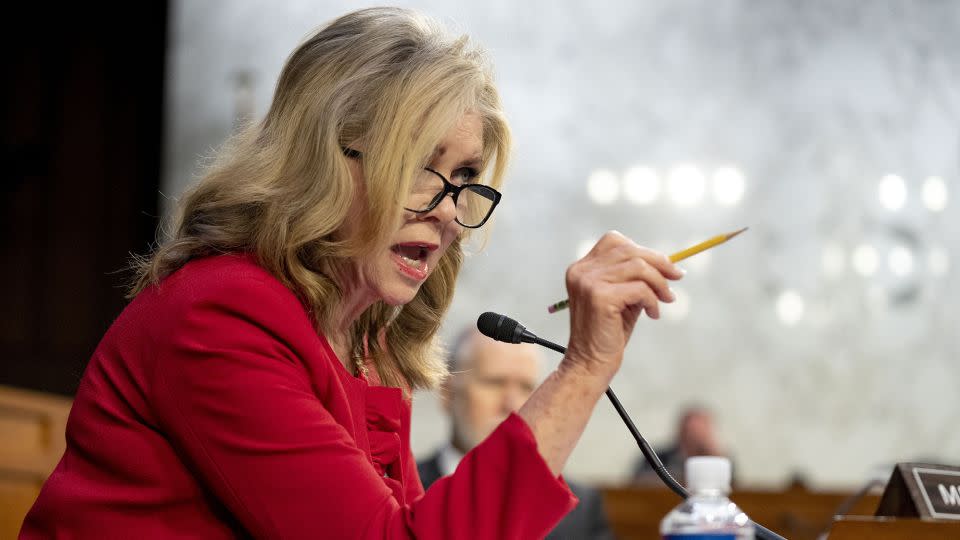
(81, 143)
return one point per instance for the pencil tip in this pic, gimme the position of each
(734, 233)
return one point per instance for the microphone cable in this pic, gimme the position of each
(503, 328)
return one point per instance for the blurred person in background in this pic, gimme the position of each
(696, 435)
(488, 381)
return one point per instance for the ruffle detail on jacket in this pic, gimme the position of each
(383, 430)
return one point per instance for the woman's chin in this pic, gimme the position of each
(400, 296)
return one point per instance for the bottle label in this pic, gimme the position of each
(700, 536)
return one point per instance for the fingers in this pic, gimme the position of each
(614, 247)
(615, 259)
(632, 297)
(637, 269)
(621, 295)
(639, 294)
(663, 263)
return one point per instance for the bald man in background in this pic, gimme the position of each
(488, 381)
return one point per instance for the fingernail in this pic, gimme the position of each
(673, 295)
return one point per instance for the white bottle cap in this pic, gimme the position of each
(708, 472)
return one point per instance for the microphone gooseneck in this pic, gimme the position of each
(502, 328)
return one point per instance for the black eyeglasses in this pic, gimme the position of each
(474, 202)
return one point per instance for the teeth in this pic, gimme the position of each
(416, 263)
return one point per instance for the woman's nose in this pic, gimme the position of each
(444, 212)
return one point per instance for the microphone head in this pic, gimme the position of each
(500, 327)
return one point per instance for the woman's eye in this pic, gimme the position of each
(466, 175)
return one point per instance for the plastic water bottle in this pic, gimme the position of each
(707, 514)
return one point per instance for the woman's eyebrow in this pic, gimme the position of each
(475, 162)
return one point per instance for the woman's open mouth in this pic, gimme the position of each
(411, 259)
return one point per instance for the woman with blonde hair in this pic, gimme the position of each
(258, 382)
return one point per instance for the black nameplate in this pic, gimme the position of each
(922, 490)
(941, 491)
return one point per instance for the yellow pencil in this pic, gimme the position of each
(676, 257)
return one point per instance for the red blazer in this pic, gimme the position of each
(212, 409)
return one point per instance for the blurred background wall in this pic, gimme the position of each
(823, 338)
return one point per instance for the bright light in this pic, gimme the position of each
(938, 261)
(900, 261)
(790, 307)
(641, 185)
(686, 185)
(833, 260)
(603, 186)
(679, 309)
(728, 185)
(935, 193)
(892, 192)
(865, 260)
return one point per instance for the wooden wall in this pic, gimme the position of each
(32, 428)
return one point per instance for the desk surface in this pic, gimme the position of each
(883, 528)
(795, 513)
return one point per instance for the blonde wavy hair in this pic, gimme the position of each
(394, 80)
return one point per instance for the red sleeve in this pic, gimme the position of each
(234, 397)
(502, 489)
(414, 484)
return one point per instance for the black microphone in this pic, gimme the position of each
(503, 328)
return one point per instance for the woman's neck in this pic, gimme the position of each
(341, 332)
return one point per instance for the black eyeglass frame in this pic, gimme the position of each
(448, 187)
